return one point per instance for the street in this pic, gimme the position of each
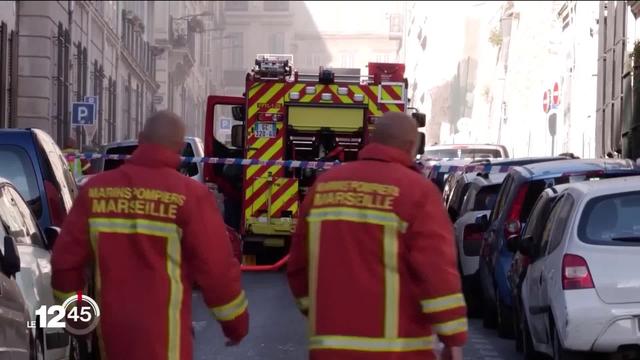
(278, 329)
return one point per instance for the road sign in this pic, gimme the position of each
(225, 124)
(90, 131)
(83, 113)
(545, 101)
(91, 99)
(556, 94)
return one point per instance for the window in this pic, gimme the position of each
(486, 198)
(18, 169)
(276, 6)
(611, 220)
(502, 197)
(533, 192)
(565, 206)
(236, 5)
(395, 23)
(16, 218)
(276, 43)
(538, 218)
(62, 176)
(236, 51)
(543, 242)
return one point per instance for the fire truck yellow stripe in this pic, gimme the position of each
(373, 109)
(255, 88)
(266, 156)
(385, 96)
(399, 89)
(260, 181)
(277, 204)
(343, 98)
(296, 88)
(256, 146)
(253, 109)
(308, 97)
(293, 208)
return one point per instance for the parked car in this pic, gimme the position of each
(531, 232)
(479, 199)
(465, 151)
(581, 291)
(520, 190)
(439, 172)
(193, 147)
(34, 164)
(26, 256)
(456, 186)
(14, 335)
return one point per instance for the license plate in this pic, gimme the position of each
(264, 130)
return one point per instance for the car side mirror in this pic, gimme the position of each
(51, 234)
(525, 246)
(512, 243)
(10, 260)
(237, 136)
(482, 220)
(420, 118)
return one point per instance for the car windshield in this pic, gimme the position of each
(18, 169)
(120, 150)
(611, 220)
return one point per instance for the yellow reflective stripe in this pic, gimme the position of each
(61, 296)
(171, 233)
(357, 215)
(391, 282)
(314, 250)
(443, 303)
(93, 236)
(357, 343)
(231, 310)
(451, 327)
(303, 303)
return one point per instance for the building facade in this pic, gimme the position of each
(8, 63)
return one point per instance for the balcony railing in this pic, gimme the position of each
(182, 38)
(138, 48)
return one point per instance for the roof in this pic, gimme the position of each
(606, 186)
(557, 168)
(516, 161)
(492, 179)
(464, 146)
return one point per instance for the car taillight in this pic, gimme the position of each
(575, 273)
(512, 224)
(472, 240)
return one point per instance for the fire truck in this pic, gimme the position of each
(288, 115)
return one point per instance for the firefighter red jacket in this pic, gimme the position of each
(373, 262)
(151, 233)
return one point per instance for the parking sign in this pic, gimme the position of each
(83, 113)
(225, 124)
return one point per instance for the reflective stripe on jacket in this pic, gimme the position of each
(151, 233)
(373, 263)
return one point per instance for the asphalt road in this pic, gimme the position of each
(278, 330)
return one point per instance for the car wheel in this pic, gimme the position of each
(527, 342)
(559, 353)
(505, 319)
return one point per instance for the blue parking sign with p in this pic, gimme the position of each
(83, 113)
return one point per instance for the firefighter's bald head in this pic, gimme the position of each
(398, 130)
(164, 128)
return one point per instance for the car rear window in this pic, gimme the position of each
(18, 169)
(120, 150)
(486, 197)
(611, 220)
(467, 153)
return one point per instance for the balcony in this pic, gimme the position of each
(182, 38)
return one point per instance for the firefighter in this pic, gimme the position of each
(77, 166)
(151, 233)
(373, 262)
